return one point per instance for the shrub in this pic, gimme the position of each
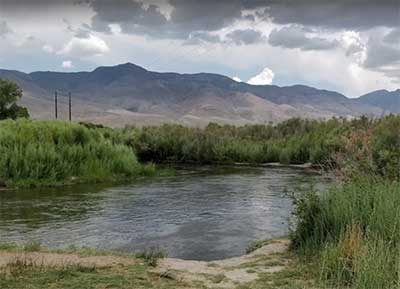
(50, 152)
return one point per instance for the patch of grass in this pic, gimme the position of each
(48, 153)
(32, 246)
(354, 232)
(298, 273)
(257, 245)
(75, 277)
(8, 246)
(218, 278)
(151, 255)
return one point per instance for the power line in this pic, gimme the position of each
(57, 94)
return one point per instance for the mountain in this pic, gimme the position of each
(389, 101)
(129, 94)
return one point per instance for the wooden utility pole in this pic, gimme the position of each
(69, 106)
(55, 105)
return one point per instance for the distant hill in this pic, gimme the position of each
(129, 94)
(389, 101)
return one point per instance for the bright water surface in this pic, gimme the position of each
(203, 213)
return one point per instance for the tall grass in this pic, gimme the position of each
(50, 152)
(355, 231)
(295, 141)
(354, 228)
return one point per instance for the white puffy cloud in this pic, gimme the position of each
(237, 79)
(84, 47)
(265, 77)
(354, 45)
(67, 64)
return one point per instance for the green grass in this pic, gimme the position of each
(78, 277)
(354, 231)
(43, 153)
(151, 256)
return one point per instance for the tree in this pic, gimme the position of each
(10, 93)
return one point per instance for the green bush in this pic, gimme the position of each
(355, 229)
(50, 152)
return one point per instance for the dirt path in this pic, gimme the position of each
(227, 273)
(61, 260)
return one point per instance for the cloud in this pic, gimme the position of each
(354, 46)
(179, 21)
(264, 78)
(207, 15)
(381, 54)
(67, 64)
(48, 48)
(246, 36)
(297, 37)
(4, 29)
(80, 32)
(237, 79)
(83, 47)
(339, 14)
(133, 17)
(237, 37)
(179, 18)
(200, 37)
(393, 36)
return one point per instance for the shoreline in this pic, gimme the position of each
(272, 260)
(160, 172)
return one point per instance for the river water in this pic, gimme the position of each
(202, 213)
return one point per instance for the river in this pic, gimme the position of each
(201, 213)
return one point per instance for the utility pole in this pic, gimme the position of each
(69, 105)
(55, 104)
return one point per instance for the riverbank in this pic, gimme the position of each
(271, 266)
(53, 153)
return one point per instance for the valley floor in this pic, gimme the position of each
(271, 266)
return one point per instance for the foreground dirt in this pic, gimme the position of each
(260, 268)
(42, 259)
(227, 273)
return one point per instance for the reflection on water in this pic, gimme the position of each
(202, 213)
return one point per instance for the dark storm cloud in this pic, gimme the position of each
(210, 15)
(206, 15)
(339, 14)
(80, 32)
(383, 54)
(4, 28)
(380, 53)
(246, 37)
(188, 16)
(35, 5)
(296, 37)
(132, 16)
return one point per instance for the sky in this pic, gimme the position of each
(349, 46)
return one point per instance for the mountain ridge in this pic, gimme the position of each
(128, 94)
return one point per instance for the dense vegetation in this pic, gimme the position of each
(49, 152)
(295, 141)
(354, 228)
(52, 152)
(10, 93)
